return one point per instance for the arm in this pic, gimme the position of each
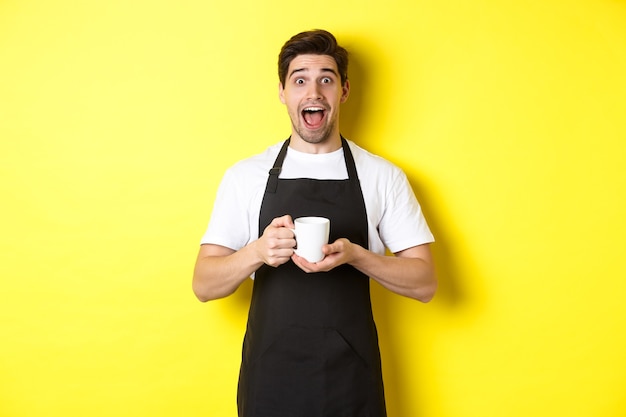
(409, 273)
(219, 270)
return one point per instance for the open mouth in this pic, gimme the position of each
(313, 116)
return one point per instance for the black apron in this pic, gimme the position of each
(311, 346)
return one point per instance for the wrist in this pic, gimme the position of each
(358, 254)
(254, 254)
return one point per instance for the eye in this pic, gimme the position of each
(299, 81)
(327, 80)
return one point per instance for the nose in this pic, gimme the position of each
(314, 92)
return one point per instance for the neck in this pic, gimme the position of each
(330, 144)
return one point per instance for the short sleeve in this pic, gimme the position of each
(229, 224)
(402, 225)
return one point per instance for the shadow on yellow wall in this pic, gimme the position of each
(118, 119)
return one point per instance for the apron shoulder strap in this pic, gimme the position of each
(272, 182)
(350, 165)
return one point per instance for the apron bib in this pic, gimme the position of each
(311, 346)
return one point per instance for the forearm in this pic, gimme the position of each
(409, 273)
(219, 272)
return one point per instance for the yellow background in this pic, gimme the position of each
(118, 118)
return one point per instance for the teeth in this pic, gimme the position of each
(314, 109)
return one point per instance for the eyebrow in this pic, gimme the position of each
(298, 70)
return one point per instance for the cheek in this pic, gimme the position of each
(292, 109)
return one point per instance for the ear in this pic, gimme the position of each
(281, 92)
(345, 91)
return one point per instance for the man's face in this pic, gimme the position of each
(313, 94)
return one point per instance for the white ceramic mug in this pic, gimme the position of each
(311, 234)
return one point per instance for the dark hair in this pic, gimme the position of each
(316, 42)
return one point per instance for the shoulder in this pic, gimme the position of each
(370, 165)
(255, 166)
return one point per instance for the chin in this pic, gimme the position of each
(314, 137)
(314, 140)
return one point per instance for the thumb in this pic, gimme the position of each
(331, 247)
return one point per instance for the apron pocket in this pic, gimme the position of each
(290, 375)
(310, 372)
(349, 384)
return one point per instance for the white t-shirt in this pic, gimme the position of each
(395, 219)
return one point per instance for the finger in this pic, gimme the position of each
(281, 253)
(277, 261)
(283, 221)
(285, 233)
(324, 265)
(302, 263)
(339, 245)
(331, 248)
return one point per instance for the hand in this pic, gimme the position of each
(340, 252)
(275, 246)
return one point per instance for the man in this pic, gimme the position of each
(311, 346)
